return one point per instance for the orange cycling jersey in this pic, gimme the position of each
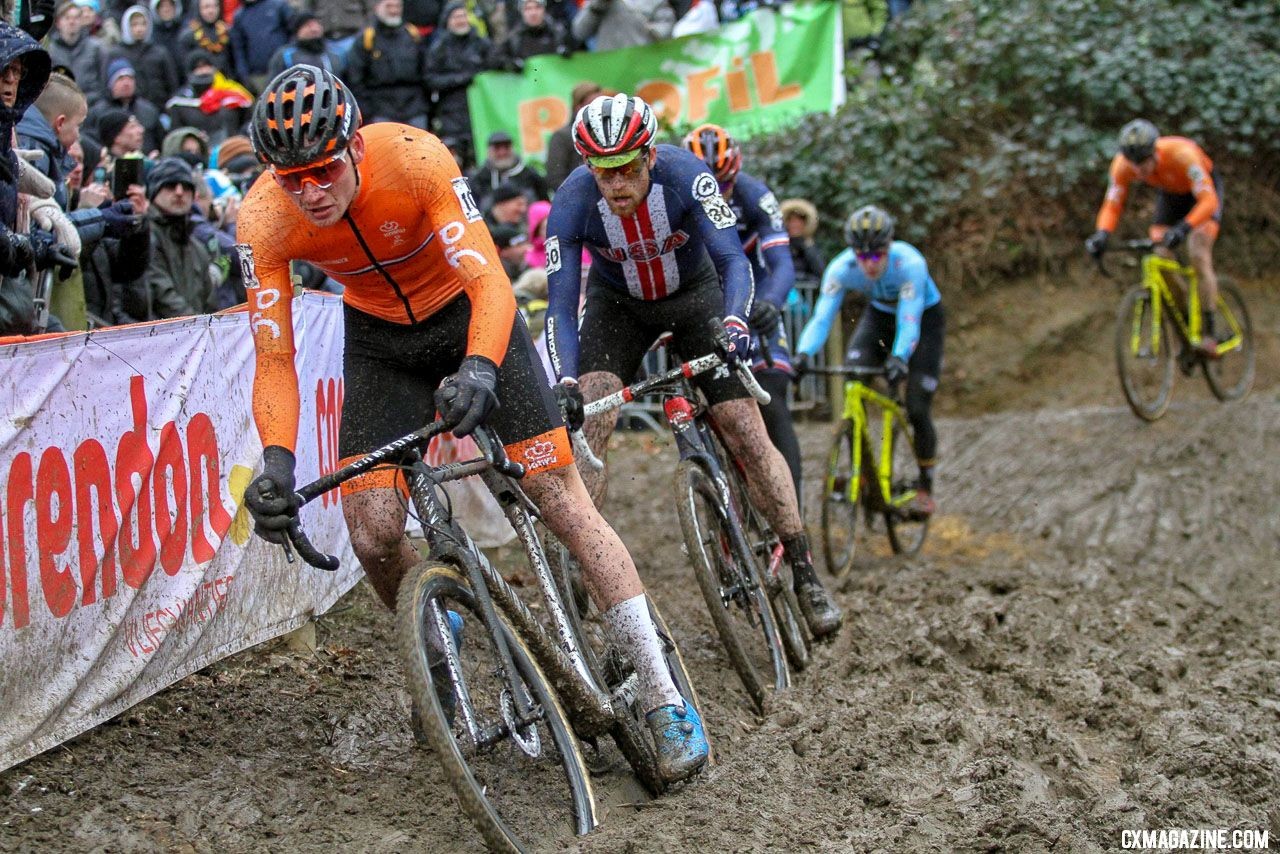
(1182, 168)
(410, 243)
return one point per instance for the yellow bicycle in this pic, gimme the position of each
(1154, 332)
(872, 466)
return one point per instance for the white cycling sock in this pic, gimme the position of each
(633, 633)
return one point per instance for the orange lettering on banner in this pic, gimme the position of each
(20, 492)
(329, 397)
(171, 519)
(663, 97)
(701, 93)
(764, 66)
(206, 481)
(53, 531)
(539, 116)
(133, 463)
(93, 472)
(736, 86)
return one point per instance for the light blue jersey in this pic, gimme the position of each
(905, 290)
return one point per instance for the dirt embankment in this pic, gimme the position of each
(1090, 643)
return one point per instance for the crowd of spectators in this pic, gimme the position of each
(166, 90)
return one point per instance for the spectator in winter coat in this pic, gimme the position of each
(207, 31)
(624, 23)
(307, 48)
(456, 56)
(157, 78)
(385, 68)
(191, 144)
(209, 101)
(801, 220)
(261, 28)
(504, 166)
(562, 157)
(51, 126)
(507, 219)
(122, 95)
(72, 46)
(168, 26)
(535, 35)
(184, 273)
(343, 18)
(423, 15)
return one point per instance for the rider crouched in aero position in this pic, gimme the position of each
(904, 321)
(661, 240)
(768, 247)
(426, 301)
(1188, 205)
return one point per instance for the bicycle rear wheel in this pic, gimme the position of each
(841, 495)
(1144, 355)
(1230, 376)
(907, 532)
(731, 585)
(508, 774)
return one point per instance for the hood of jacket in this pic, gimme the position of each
(36, 127)
(448, 9)
(125, 35)
(173, 141)
(177, 17)
(15, 43)
(805, 210)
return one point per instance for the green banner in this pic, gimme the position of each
(752, 75)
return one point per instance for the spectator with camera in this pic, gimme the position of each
(184, 272)
(114, 268)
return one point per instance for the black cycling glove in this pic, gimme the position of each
(895, 370)
(467, 398)
(765, 317)
(569, 396)
(800, 364)
(1176, 234)
(270, 497)
(1096, 244)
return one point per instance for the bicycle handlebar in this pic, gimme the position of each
(849, 371)
(1138, 246)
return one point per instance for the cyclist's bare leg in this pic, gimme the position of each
(597, 430)
(769, 483)
(1200, 248)
(375, 518)
(610, 575)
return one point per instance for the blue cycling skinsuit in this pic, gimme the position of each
(905, 309)
(672, 265)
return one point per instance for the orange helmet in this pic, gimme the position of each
(712, 145)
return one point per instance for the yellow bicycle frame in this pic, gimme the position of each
(856, 397)
(1154, 272)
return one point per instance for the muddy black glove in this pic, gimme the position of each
(800, 364)
(1176, 234)
(467, 398)
(49, 253)
(765, 317)
(895, 370)
(270, 497)
(569, 396)
(120, 220)
(16, 253)
(1096, 244)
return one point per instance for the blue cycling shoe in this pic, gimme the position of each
(682, 745)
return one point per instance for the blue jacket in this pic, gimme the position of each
(259, 29)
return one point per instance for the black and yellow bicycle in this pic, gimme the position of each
(1157, 330)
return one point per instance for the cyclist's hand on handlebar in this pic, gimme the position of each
(569, 396)
(800, 364)
(270, 497)
(467, 398)
(739, 339)
(1096, 244)
(1175, 234)
(895, 370)
(765, 317)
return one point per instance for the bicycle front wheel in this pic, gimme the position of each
(841, 495)
(731, 585)
(907, 532)
(1230, 376)
(509, 771)
(1144, 355)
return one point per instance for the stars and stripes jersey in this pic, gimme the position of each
(1182, 167)
(648, 255)
(410, 243)
(905, 290)
(764, 239)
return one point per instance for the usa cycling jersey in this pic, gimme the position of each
(648, 255)
(905, 290)
(768, 248)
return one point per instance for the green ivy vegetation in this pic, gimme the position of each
(989, 129)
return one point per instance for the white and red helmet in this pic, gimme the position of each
(614, 130)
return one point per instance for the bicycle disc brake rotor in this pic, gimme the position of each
(526, 738)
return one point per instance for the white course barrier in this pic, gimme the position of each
(126, 560)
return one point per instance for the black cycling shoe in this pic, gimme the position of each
(823, 615)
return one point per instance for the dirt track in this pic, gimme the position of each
(1090, 643)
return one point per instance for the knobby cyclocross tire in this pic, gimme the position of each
(1145, 363)
(906, 534)
(841, 497)
(1230, 376)
(517, 787)
(731, 585)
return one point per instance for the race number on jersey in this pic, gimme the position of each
(707, 192)
(462, 190)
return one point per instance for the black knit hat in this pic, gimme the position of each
(110, 123)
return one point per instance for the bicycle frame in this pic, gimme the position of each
(857, 395)
(1156, 271)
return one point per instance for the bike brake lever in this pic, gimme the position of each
(491, 447)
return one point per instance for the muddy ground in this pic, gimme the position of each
(1089, 643)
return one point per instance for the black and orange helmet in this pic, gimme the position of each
(712, 145)
(304, 115)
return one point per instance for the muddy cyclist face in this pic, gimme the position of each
(625, 186)
(325, 205)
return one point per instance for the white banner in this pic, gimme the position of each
(126, 560)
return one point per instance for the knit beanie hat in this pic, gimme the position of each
(170, 171)
(110, 123)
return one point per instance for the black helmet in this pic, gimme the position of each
(303, 115)
(1138, 140)
(868, 229)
